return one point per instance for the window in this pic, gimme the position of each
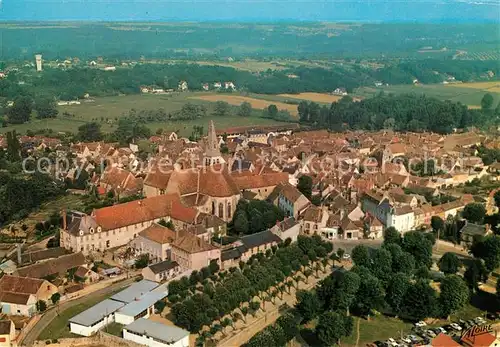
(221, 210)
(307, 225)
(229, 210)
(213, 207)
(315, 226)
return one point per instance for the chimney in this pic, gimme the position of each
(19, 259)
(342, 213)
(63, 213)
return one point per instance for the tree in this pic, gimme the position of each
(288, 323)
(332, 326)
(340, 252)
(437, 223)
(13, 147)
(308, 305)
(370, 294)
(245, 109)
(361, 256)
(391, 235)
(474, 212)
(55, 298)
(487, 101)
(20, 112)
(142, 261)
(497, 109)
(160, 306)
(488, 249)
(382, 264)
(45, 108)
(240, 223)
(454, 294)
(89, 132)
(418, 245)
(304, 185)
(396, 291)
(496, 196)
(476, 272)
(272, 111)
(263, 338)
(420, 301)
(41, 306)
(221, 109)
(449, 263)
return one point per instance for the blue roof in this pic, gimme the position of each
(141, 304)
(166, 333)
(135, 291)
(97, 312)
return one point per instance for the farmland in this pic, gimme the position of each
(256, 103)
(107, 110)
(315, 97)
(467, 93)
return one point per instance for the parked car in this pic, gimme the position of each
(440, 330)
(380, 344)
(479, 320)
(413, 338)
(420, 324)
(346, 256)
(456, 327)
(430, 333)
(406, 339)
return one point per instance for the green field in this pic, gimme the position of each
(107, 110)
(468, 96)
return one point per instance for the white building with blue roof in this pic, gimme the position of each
(155, 334)
(98, 316)
(142, 307)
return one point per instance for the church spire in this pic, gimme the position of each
(212, 151)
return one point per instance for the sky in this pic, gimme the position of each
(251, 10)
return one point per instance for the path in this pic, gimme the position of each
(51, 313)
(357, 332)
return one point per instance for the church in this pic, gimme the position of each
(209, 188)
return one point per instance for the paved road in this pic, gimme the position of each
(48, 316)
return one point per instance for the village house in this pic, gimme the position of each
(470, 231)
(314, 219)
(291, 200)
(162, 271)
(18, 295)
(289, 228)
(155, 240)
(7, 333)
(120, 182)
(53, 267)
(402, 218)
(192, 252)
(247, 246)
(86, 275)
(262, 185)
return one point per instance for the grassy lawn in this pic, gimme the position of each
(107, 110)
(59, 327)
(114, 329)
(377, 328)
(465, 95)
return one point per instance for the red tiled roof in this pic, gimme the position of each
(144, 210)
(158, 233)
(260, 181)
(479, 340)
(14, 298)
(16, 284)
(192, 244)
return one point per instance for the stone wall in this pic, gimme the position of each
(100, 339)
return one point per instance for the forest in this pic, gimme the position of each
(300, 40)
(402, 113)
(74, 83)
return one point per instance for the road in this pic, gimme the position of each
(51, 313)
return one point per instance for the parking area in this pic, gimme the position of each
(422, 334)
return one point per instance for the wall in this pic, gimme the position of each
(101, 338)
(123, 318)
(156, 251)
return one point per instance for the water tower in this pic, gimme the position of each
(38, 58)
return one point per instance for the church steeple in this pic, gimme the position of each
(212, 151)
